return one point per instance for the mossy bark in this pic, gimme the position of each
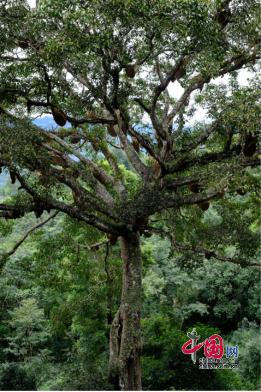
(125, 335)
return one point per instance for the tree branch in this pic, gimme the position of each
(199, 80)
(201, 250)
(6, 255)
(137, 164)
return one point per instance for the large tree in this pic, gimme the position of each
(105, 67)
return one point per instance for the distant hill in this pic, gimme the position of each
(47, 122)
(3, 178)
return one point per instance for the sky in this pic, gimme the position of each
(31, 3)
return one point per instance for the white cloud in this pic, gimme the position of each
(243, 76)
(31, 3)
(200, 115)
(175, 90)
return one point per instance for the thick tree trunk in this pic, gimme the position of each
(125, 335)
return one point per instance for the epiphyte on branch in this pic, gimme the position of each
(59, 116)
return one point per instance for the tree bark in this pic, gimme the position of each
(125, 334)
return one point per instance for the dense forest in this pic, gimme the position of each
(129, 194)
(58, 297)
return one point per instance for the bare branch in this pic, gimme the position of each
(137, 164)
(180, 64)
(142, 105)
(11, 58)
(6, 255)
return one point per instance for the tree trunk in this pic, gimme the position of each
(125, 335)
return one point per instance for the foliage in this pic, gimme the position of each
(14, 378)
(176, 299)
(128, 166)
(30, 332)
